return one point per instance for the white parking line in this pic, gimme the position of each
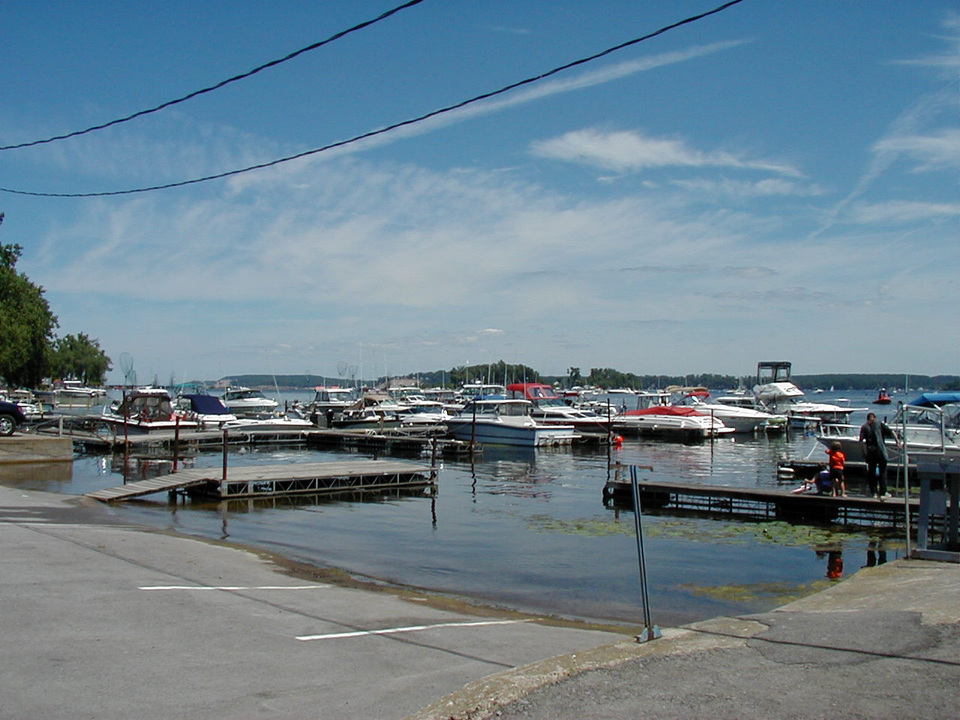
(232, 587)
(409, 628)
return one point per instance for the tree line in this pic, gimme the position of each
(30, 351)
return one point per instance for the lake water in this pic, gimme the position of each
(528, 529)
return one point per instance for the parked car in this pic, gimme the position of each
(10, 418)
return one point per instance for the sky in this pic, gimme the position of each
(777, 181)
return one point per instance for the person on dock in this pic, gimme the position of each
(836, 461)
(872, 436)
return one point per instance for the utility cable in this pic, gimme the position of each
(388, 128)
(222, 83)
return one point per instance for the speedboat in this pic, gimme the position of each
(506, 422)
(675, 422)
(207, 410)
(740, 419)
(883, 398)
(550, 409)
(928, 429)
(782, 397)
(145, 410)
(242, 401)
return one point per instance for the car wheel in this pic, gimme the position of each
(7, 424)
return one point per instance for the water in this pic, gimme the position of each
(528, 529)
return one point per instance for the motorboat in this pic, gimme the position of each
(144, 410)
(883, 398)
(482, 391)
(550, 409)
(374, 410)
(780, 396)
(928, 429)
(673, 422)
(328, 401)
(207, 410)
(506, 422)
(286, 421)
(72, 393)
(775, 424)
(244, 402)
(741, 419)
(419, 412)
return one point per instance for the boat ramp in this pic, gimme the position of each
(284, 479)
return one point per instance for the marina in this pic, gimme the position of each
(529, 528)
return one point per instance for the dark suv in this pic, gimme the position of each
(10, 418)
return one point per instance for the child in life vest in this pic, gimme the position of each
(836, 462)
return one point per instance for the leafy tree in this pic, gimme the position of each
(26, 324)
(80, 358)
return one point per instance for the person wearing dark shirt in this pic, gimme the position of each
(872, 436)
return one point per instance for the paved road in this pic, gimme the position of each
(101, 620)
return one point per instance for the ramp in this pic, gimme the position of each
(167, 483)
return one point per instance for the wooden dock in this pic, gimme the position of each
(761, 504)
(285, 479)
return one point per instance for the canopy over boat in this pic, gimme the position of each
(207, 405)
(935, 399)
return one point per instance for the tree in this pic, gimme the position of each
(78, 357)
(26, 324)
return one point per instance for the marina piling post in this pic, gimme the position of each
(176, 444)
(473, 429)
(650, 631)
(226, 433)
(905, 463)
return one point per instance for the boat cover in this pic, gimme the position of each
(935, 399)
(207, 405)
(665, 410)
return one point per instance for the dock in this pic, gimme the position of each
(284, 479)
(761, 504)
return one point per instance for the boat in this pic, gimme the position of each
(780, 396)
(928, 428)
(373, 411)
(550, 409)
(672, 422)
(72, 393)
(328, 401)
(243, 402)
(742, 419)
(280, 421)
(482, 391)
(207, 410)
(506, 422)
(145, 410)
(883, 398)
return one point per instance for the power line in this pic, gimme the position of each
(217, 86)
(394, 126)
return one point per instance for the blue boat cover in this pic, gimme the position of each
(207, 405)
(935, 399)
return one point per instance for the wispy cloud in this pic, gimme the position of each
(935, 151)
(624, 151)
(902, 211)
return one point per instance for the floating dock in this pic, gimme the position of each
(762, 504)
(272, 480)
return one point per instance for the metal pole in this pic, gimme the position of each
(226, 434)
(905, 461)
(650, 631)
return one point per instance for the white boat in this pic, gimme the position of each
(420, 412)
(740, 419)
(506, 422)
(72, 393)
(207, 410)
(550, 409)
(775, 424)
(928, 429)
(145, 410)
(242, 401)
(289, 421)
(782, 397)
(672, 422)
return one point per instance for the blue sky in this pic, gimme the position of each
(777, 181)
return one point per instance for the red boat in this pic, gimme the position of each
(883, 398)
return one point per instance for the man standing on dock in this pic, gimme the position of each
(872, 436)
